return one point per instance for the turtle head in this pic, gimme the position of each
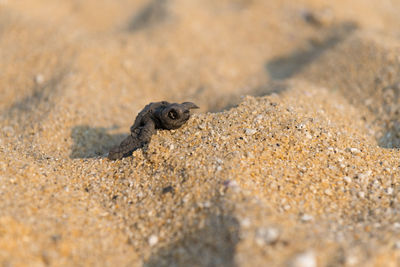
(175, 115)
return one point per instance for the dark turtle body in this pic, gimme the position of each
(158, 115)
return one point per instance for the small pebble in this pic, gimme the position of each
(328, 192)
(352, 260)
(266, 235)
(300, 126)
(39, 78)
(389, 190)
(354, 150)
(286, 207)
(250, 131)
(245, 223)
(307, 218)
(305, 259)
(347, 179)
(153, 240)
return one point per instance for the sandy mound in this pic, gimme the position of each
(292, 159)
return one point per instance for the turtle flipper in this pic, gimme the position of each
(127, 146)
(133, 141)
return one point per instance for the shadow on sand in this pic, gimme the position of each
(390, 110)
(151, 14)
(93, 142)
(38, 104)
(213, 245)
(283, 67)
(286, 66)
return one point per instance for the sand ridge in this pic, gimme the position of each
(291, 161)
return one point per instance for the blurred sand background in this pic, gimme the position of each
(292, 159)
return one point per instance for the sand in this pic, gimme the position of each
(292, 160)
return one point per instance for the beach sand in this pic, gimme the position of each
(292, 159)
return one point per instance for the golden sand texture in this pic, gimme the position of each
(292, 159)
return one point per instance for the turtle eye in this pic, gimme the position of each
(172, 114)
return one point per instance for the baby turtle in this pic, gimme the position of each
(158, 115)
